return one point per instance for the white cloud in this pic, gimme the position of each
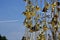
(9, 21)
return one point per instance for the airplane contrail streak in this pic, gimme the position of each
(9, 21)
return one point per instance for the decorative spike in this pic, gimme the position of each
(29, 2)
(24, 38)
(54, 5)
(58, 3)
(45, 28)
(58, 9)
(37, 8)
(31, 31)
(44, 9)
(52, 9)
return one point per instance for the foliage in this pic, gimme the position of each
(3, 37)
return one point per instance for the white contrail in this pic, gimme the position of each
(9, 21)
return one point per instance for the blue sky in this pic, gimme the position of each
(11, 19)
